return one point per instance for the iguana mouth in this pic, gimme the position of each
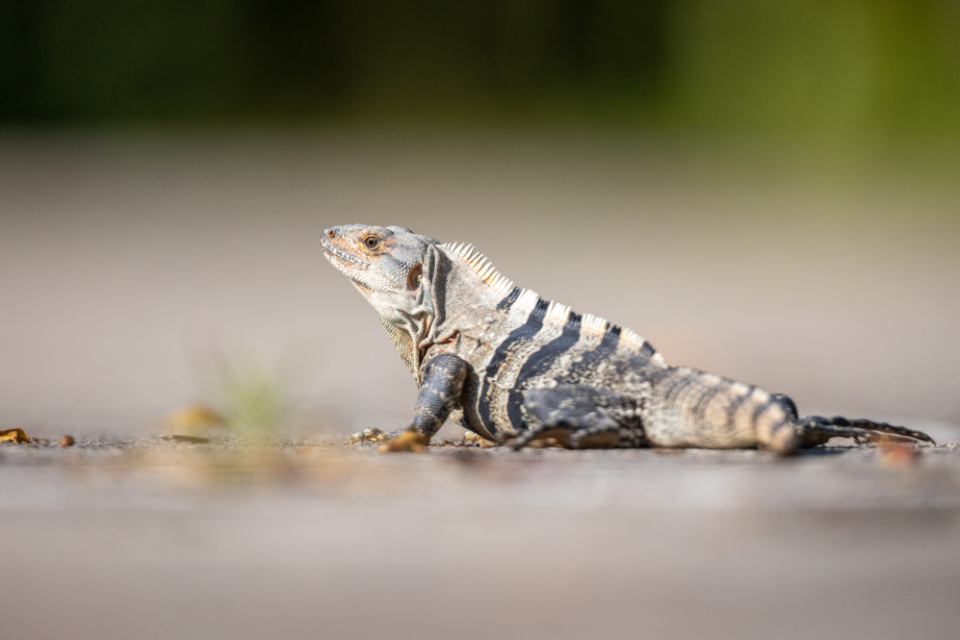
(333, 251)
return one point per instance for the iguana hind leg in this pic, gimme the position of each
(580, 417)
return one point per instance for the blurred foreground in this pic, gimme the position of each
(150, 539)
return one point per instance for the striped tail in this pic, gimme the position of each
(817, 430)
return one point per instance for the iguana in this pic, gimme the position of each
(511, 367)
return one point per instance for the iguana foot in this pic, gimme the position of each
(817, 430)
(409, 440)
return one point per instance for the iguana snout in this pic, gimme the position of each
(390, 266)
(381, 259)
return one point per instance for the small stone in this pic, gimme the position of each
(66, 441)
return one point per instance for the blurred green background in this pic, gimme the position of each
(851, 66)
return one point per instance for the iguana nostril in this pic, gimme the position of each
(333, 233)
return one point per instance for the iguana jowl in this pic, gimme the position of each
(513, 367)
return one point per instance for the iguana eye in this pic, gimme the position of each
(371, 243)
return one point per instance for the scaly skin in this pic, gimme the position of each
(511, 367)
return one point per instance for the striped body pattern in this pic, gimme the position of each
(533, 344)
(512, 367)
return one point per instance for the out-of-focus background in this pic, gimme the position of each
(869, 66)
(766, 190)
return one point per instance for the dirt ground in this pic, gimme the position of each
(153, 539)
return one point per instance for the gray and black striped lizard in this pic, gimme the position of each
(512, 367)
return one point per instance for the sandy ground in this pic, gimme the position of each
(126, 260)
(149, 539)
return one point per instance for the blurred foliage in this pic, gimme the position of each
(250, 398)
(835, 66)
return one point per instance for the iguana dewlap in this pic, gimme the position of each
(512, 367)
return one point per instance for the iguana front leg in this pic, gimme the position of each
(440, 389)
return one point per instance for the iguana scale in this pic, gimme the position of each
(506, 364)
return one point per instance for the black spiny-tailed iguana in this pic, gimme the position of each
(513, 367)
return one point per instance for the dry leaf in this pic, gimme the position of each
(895, 452)
(13, 435)
(188, 439)
(194, 418)
(471, 439)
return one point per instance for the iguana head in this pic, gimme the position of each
(397, 271)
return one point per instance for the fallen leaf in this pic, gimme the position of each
(188, 439)
(895, 452)
(545, 443)
(194, 418)
(471, 439)
(13, 435)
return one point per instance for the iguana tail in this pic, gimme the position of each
(817, 430)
